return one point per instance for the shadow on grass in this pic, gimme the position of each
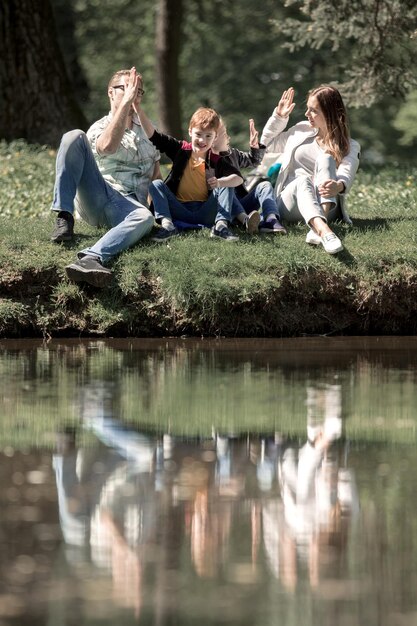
(75, 243)
(378, 223)
(346, 258)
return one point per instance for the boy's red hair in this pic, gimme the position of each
(205, 118)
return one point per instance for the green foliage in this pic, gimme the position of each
(113, 35)
(13, 315)
(376, 36)
(233, 59)
(406, 121)
(246, 69)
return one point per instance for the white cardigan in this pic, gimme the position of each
(285, 144)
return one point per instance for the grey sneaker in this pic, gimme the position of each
(89, 269)
(64, 227)
(223, 233)
(163, 235)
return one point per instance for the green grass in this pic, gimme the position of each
(260, 286)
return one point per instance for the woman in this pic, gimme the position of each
(318, 163)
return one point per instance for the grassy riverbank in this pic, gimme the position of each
(260, 286)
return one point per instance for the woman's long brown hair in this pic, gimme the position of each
(334, 111)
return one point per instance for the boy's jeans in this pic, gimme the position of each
(97, 202)
(262, 196)
(166, 204)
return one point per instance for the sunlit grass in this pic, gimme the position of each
(262, 285)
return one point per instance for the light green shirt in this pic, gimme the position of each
(130, 169)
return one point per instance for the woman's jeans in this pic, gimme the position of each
(166, 204)
(97, 202)
(300, 199)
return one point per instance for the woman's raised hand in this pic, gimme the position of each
(286, 104)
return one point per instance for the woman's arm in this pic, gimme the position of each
(345, 174)
(349, 166)
(272, 136)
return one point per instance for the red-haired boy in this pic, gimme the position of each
(199, 187)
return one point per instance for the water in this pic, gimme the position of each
(210, 482)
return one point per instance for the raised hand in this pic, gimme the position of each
(253, 135)
(131, 89)
(286, 104)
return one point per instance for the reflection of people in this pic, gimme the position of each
(110, 170)
(107, 496)
(318, 495)
(318, 163)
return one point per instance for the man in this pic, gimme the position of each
(106, 173)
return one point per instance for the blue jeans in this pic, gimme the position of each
(262, 196)
(97, 202)
(166, 204)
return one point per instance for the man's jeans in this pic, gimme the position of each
(97, 202)
(262, 196)
(166, 204)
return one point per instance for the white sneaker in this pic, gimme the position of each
(313, 238)
(331, 243)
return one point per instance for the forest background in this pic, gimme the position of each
(236, 56)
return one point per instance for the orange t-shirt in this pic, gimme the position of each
(193, 185)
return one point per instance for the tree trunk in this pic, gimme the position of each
(168, 46)
(36, 97)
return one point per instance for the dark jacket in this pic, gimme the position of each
(240, 160)
(180, 151)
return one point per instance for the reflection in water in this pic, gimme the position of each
(304, 526)
(318, 495)
(137, 502)
(187, 387)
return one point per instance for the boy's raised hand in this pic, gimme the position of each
(286, 104)
(253, 135)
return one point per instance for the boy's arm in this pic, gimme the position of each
(256, 152)
(156, 171)
(233, 180)
(164, 143)
(226, 174)
(247, 159)
(146, 123)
